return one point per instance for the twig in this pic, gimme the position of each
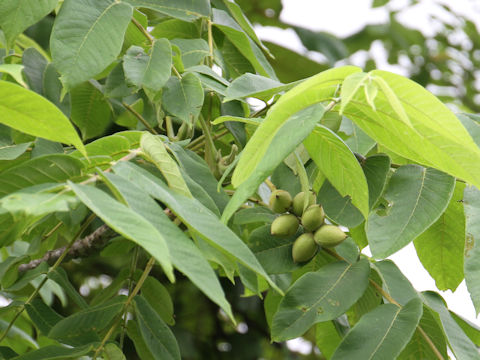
(140, 117)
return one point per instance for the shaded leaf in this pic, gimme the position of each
(441, 247)
(183, 98)
(42, 315)
(86, 37)
(181, 9)
(416, 197)
(319, 296)
(382, 333)
(56, 352)
(472, 244)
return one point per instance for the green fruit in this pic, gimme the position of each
(313, 217)
(280, 201)
(298, 202)
(329, 236)
(285, 225)
(304, 248)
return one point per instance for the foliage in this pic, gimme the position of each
(135, 174)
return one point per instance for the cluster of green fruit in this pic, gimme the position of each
(311, 216)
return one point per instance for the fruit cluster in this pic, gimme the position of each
(311, 216)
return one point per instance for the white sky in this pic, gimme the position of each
(331, 16)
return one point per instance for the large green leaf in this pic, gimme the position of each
(127, 223)
(472, 244)
(157, 153)
(461, 345)
(182, 9)
(194, 215)
(90, 111)
(87, 36)
(32, 114)
(18, 15)
(157, 336)
(416, 197)
(290, 135)
(257, 86)
(339, 165)
(51, 352)
(428, 133)
(183, 97)
(419, 347)
(382, 333)
(53, 168)
(90, 320)
(319, 296)
(314, 90)
(150, 70)
(441, 247)
(185, 255)
(394, 282)
(193, 51)
(242, 42)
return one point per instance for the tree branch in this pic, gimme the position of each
(80, 248)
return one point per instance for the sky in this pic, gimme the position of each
(330, 16)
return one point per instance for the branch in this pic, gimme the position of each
(80, 248)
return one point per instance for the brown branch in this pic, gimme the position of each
(80, 248)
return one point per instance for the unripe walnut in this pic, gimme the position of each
(329, 236)
(304, 248)
(284, 225)
(298, 202)
(313, 217)
(280, 201)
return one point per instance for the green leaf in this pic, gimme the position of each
(87, 321)
(86, 37)
(55, 168)
(42, 315)
(151, 70)
(193, 51)
(90, 111)
(183, 98)
(394, 282)
(245, 24)
(112, 352)
(314, 90)
(252, 121)
(15, 71)
(319, 296)
(435, 137)
(472, 124)
(290, 135)
(180, 9)
(254, 215)
(159, 299)
(186, 257)
(34, 66)
(156, 334)
(338, 164)
(376, 168)
(470, 329)
(25, 203)
(257, 86)
(32, 114)
(441, 247)
(51, 352)
(226, 24)
(195, 216)
(175, 29)
(126, 222)
(199, 171)
(416, 197)
(472, 244)
(156, 152)
(461, 345)
(327, 338)
(357, 141)
(59, 275)
(418, 347)
(11, 152)
(350, 86)
(382, 333)
(134, 334)
(17, 15)
(273, 252)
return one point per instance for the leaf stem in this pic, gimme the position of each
(135, 291)
(140, 117)
(140, 27)
(57, 263)
(210, 42)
